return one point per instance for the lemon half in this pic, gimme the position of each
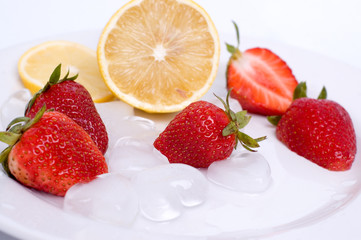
(159, 55)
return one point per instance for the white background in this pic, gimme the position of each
(328, 27)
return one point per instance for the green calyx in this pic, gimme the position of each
(13, 133)
(299, 92)
(238, 121)
(53, 80)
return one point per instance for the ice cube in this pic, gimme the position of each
(244, 172)
(159, 203)
(123, 123)
(140, 128)
(109, 197)
(14, 106)
(165, 190)
(131, 155)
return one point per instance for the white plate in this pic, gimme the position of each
(302, 199)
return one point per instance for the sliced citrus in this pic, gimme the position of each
(36, 65)
(159, 55)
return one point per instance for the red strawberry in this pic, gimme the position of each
(51, 153)
(71, 98)
(203, 133)
(260, 80)
(320, 130)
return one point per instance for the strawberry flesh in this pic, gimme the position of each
(261, 81)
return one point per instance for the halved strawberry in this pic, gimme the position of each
(260, 80)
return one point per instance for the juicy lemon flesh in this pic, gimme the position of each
(161, 55)
(36, 66)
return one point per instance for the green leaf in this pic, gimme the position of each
(242, 119)
(323, 94)
(233, 116)
(4, 154)
(9, 138)
(231, 49)
(247, 140)
(18, 128)
(73, 77)
(300, 91)
(16, 121)
(4, 161)
(55, 76)
(248, 148)
(274, 119)
(231, 128)
(36, 119)
(261, 138)
(65, 78)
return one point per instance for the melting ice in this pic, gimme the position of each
(110, 198)
(14, 106)
(244, 172)
(141, 180)
(131, 155)
(165, 190)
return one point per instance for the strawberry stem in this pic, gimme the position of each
(237, 33)
(234, 50)
(238, 121)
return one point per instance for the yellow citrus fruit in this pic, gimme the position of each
(159, 55)
(36, 65)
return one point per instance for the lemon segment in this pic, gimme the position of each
(36, 65)
(159, 55)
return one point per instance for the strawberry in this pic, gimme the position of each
(50, 153)
(260, 80)
(71, 98)
(320, 130)
(203, 133)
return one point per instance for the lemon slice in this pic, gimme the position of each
(159, 55)
(36, 65)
